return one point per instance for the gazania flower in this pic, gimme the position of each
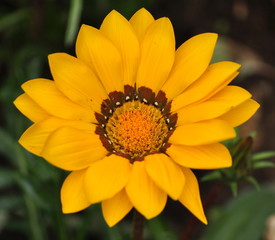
(130, 116)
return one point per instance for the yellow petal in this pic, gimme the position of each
(45, 93)
(217, 75)
(71, 149)
(120, 32)
(77, 81)
(220, 103)
(99, 52)
(241, 113)
(146, 197)
(201, 133)
(73, 196)
(115, 208)
(157, 55)
(165, 173)
(201, 157)
(190, 197)
(191, 60)
(140, 21)
(29, 108)
(107, 177)
(34, 138)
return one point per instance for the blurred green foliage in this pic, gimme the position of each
(243, 218)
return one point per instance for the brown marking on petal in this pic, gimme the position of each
(168, 135)
(129, 92)
(146, 95)
(165, 147)
(106, 108)
(161, 99)
(142, 158)
(101, 118)
(104, 140)
(172, 120)
(166, 109)
(117, 98)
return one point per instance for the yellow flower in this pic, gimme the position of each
(130, 116)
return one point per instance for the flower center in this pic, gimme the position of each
(136, 129)
(135, 123)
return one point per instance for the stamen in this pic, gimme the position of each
(136, 129)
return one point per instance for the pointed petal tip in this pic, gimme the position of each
(204, 220)
(67, 210)
(114, 14)
(206, 39)
(210, 36)
(54, 56)
(164, 21)
(84, 27)
(142, 11)
(16, 101)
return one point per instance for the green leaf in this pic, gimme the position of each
(263, 155)
(263, 164)
(211, 176)
(6, 177)
(29, 189)
(253, 181)
(9, 202)
(8, 144)
(73, 21)
(234, 188)
(11, 19)
(244, 218)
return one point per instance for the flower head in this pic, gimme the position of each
(130, 116)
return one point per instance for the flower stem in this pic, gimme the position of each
(138, 224)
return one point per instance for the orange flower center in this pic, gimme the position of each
(136, 129)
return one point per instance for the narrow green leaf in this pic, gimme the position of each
(211, 176)
(11, 19)
(7, 146)
(30, 191)
(73, 21)
(234, 188)
(263, 155)
(253, 181)
(6, 178)
(263, 164)
(9, 202)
